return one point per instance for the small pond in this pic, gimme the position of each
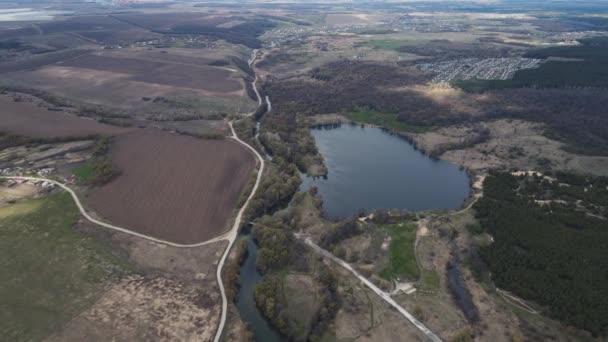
(370, 168)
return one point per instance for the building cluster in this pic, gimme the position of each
(476, 68)
(39, 183)
(295, 34)
(187, 41)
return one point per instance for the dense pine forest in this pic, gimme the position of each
(549, 245)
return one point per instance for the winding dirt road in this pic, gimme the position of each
(233, 233)
(229, 236)
(111, 226)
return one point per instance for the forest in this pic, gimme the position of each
(346, 86)
(288, 138)
(551, 253)
(574, 116)
(281, 254)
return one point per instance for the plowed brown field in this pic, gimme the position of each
(160, 72)
(28, 119)
(173, 187)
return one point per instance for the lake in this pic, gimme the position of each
(370, 168)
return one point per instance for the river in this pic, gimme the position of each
(249, 312)
(369, 168)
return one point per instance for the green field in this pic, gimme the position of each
(386, 120)
(95, 171)
(49, 272)
(402, 262)
(86, 172)
(430, 280)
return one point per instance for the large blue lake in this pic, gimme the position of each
(370, 168)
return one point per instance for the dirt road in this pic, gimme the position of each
(385, 296)
(230, 236)
(111, 226)
(233, 233)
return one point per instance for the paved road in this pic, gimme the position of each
(385, 296)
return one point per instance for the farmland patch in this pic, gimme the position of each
(157, 72)
(67, 271)
(173, 187)
(29, 119)
(40, 61)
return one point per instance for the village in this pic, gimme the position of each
(476, 68)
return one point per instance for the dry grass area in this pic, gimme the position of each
(17, 192)
(512, 144)
(156, 309)
(436, 307)
(33, 120)
(453, 98)
(172, 297)
(236, 329)
(363, 316)
(173, 187)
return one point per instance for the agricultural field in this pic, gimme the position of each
(91, 284)
(39, 61)
(184, 73)
(157, 84)
(129, 102)
(173, 187)
(69, 270)
(34, 120)
(356, 18)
